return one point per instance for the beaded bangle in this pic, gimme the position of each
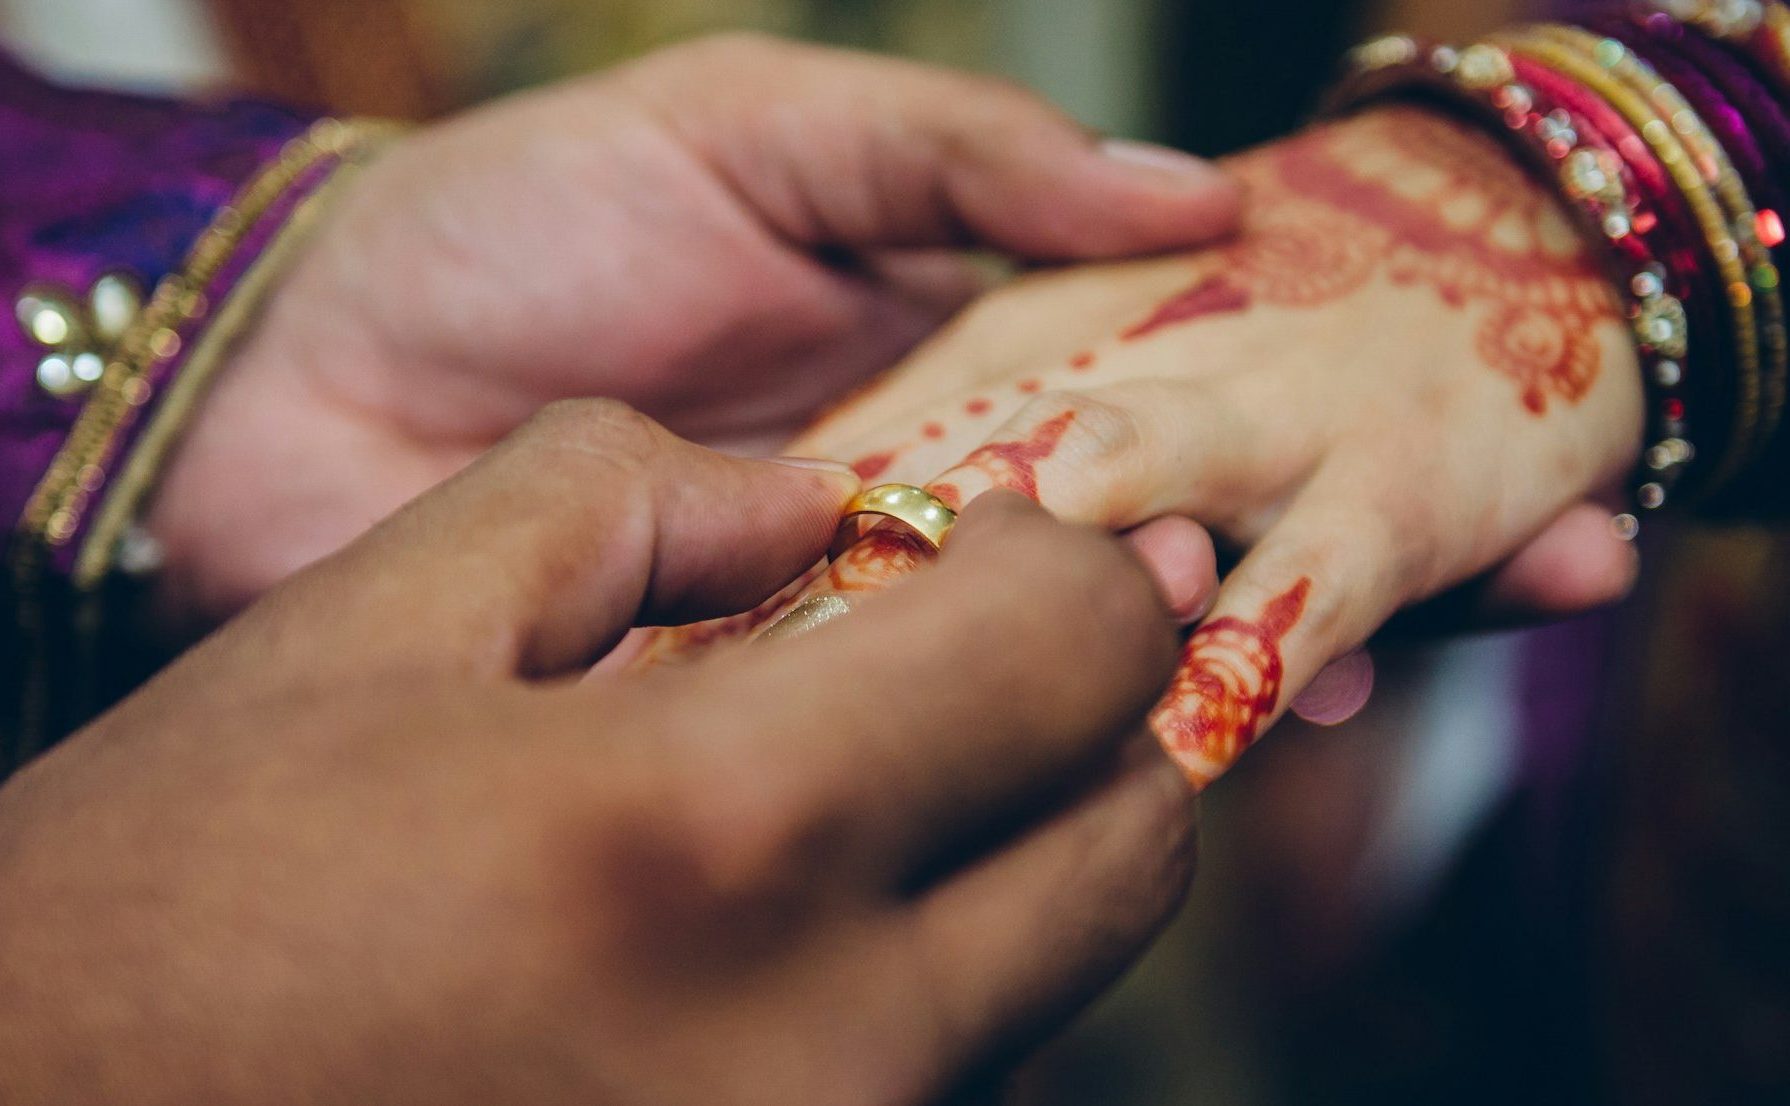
(1760, 29)
(1740, 75)
(1761, 273)
(1567, 151)
(1665, 296)
(1707, 213)
(1732, 137)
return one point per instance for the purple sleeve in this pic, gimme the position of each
(135, 235)
(97, 183)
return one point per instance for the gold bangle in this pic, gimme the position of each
(915, 508)
(1719, 172)
(1676, 160)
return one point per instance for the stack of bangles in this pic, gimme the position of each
(1665, 128)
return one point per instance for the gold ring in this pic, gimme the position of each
(915, 508)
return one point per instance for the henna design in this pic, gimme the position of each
(976, 408)
(883, 555)
(1082, 362)
(1215, 295)
(1228, 684)
(1012, 465)
(1424, 203)
(873, 466)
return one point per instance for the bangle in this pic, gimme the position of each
(1649, 43)
(1760, 273)
(1707, 215)
(1666, 260)
(1570, 153)
(1662, 301)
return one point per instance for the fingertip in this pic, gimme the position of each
(1183, 561)
(1340, 692)
(832, 480)
(1580, 563)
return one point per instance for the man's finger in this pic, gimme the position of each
(1028, 936)
(843, 149)
(944, 705)
(590, 519)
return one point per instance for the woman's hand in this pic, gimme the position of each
(373, 842)
(1404, 371)
(726, 236)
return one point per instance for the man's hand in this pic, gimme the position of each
(373, 842)
(727, 236)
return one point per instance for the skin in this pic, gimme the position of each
(336, 855)
(728, 236)
(1405, 376)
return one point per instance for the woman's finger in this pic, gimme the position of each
(1179, 553)
(1316, 587)
(1579, 563)
(1121, 455)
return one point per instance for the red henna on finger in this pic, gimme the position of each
(976, 408)
(1082, 362)
(1014, 465)
(871, 467)
(882, 556)
(1229, 683)
(933, 431)
(1030, 387)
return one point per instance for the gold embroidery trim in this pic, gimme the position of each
(53, 514)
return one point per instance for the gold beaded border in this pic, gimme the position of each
(53, 513)
(126, 490)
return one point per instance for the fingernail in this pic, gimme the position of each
(807, 617)
(1339, 693)
(1185, 167)
(815, 464)
(1196, 614)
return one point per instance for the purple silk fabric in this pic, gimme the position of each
(92, 183)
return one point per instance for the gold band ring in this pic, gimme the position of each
(915, 508)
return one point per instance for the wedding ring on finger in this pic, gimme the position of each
(915, 508)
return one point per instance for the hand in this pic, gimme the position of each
(370, 843)
(1402, 375)
(726, 236)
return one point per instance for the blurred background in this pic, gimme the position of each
(1550, 866)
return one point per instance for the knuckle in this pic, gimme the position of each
(991, 100)
(739, 50)
(1094, 583)
(757, 832)
(1099, 431)
(605, 427)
